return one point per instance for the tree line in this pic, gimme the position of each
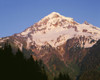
(18, 67)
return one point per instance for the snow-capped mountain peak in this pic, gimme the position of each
(57, 39)
(55, 30)
(57, 15)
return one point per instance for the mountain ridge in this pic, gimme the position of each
(57, 25)
(56, 40)
(54, 31)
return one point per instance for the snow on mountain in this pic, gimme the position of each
(3, 39)
(56, 29)
(56, 40)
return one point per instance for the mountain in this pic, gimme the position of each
(92, 59)
(59, 41)
(90, 65)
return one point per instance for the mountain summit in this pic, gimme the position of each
(59, 41)
(56, 29)
(57, 15)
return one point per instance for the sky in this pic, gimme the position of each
(17, 15)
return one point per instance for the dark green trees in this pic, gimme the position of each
(90, 75)
(62, 77)
(17, 67)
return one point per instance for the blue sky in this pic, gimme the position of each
(17, 15)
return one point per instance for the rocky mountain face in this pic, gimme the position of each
(90, 65)
(59, 41)
(92, 59)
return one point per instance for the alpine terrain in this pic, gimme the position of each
(63, 44)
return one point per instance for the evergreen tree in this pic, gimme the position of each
(16, 66)
(90, 75)
(62, 77)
